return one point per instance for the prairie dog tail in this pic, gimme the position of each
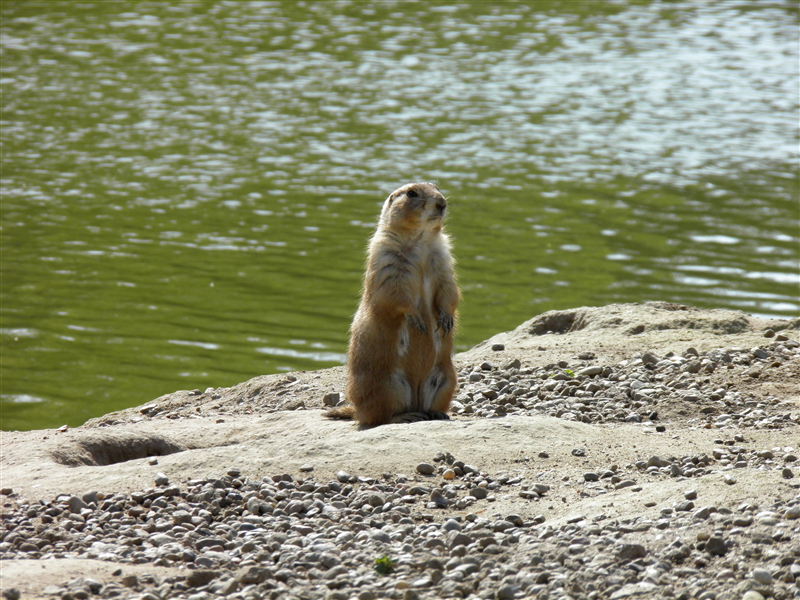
(346, 411)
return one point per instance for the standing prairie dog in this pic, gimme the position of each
(399, 360)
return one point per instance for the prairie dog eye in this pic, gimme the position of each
(412, 194)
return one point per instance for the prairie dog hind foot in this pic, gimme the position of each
(415, 417)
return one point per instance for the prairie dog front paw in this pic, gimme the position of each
(444, 322)
(417, 322)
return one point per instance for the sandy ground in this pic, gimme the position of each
(274, 424)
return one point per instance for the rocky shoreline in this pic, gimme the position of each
(656, 463)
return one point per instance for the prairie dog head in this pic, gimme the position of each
(414, 206)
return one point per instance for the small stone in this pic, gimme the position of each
(438, 500)
(657, 461)
(306, 468)
(787, 473)
(625, 483)
(233, 472)
(451, 525)
(152, 461)
(11, 594)
(591, 371)
(180, 517)
(591, 476)
(716, 546)
(254, 505)
(90, 498)
(762, 576)
(456, 538)
(793, 512)
(579, 452)
(426, 469)
(498, 347)
(161, 479)
(515, 519)
(76, 505)
(540, 488)
(53, 590)
(479, 493)
(253, 574)
(769, 333)
(201, 577)
(729, 479)
(752, 595)
(331, 399)
(449, 474)
(704, 512)
(130, 580)
(690, 494)
(343, 476)
(631, 551)
(507, 592)
(224, 587)
(649, 358)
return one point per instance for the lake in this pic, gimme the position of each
(188, 188)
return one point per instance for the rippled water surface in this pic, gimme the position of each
(188, 187)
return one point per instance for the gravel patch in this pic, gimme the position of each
(419, 536)
(646, 389)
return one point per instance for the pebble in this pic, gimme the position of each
(716, 546)
(762, 576)
(331, 399)
(426, 469)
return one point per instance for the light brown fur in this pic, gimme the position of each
(401, 341)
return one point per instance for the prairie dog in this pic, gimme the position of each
(399, 360)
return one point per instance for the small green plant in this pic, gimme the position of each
(569, 372)
(384, 565)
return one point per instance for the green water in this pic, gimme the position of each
(188, 187)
